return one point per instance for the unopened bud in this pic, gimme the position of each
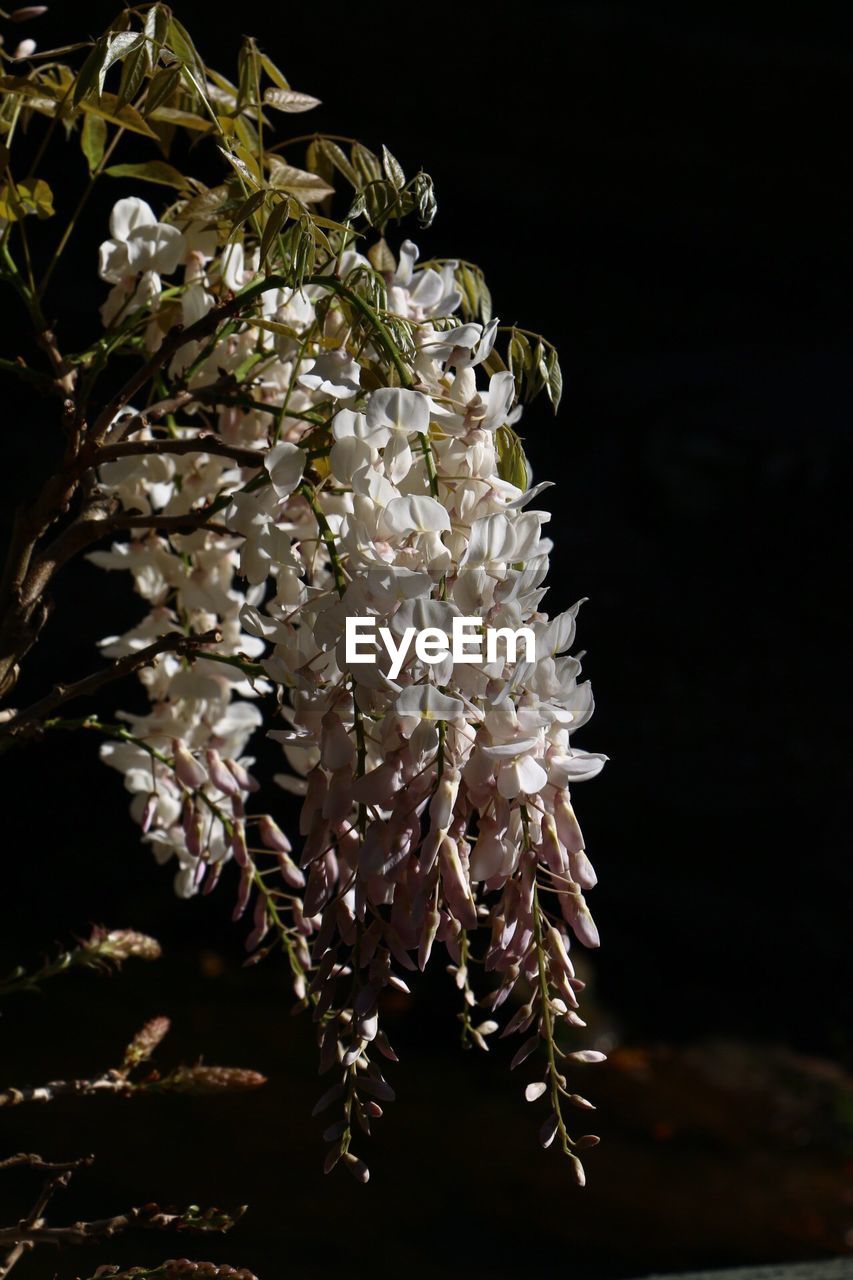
(145, 1042)
(272, 835)
(187, 769)
(221, 777)
(203, 1079)
(122, 944)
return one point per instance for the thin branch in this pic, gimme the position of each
(205, 442)
(199, 1080)
(104, 950)
(172, 642)
(21, 1242)
(110, 1082)
(149, 1216)
(65, 375)
(31, 1161)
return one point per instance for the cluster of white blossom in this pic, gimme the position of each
(436, 802)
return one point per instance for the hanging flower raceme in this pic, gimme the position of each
(342, 459)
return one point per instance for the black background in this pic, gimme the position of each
(665, 192)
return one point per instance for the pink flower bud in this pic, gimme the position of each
(577, 914)
(441, 805)
(551, 849)
(221, 777)
(430, 929)
(238, 844)
(290, 873)
(456, 886)
(187, 769)
(567, 825)
(244, 893)
(148, 813)
(244, 779)
(582, 870)
(548, 1132)
(272, 835)
(193, 825)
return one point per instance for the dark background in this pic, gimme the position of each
(664, 191)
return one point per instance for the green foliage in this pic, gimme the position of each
(299, 202)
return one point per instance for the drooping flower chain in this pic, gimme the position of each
(436, 804)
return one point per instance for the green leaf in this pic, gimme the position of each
(248, 207)
(366, 163)
(93, 140)
(245, 74)
(476, 299)
(240, 166)
(277, 327)
(117, 49)
(186, 119)
(133, 72)
(289, 100)
(535, 375)
(278, 77)
(183, 48)
(330, 224)
(307, 187)
(512, 463)
(162, 84)
(166, 175)
(553, 378)
(336, 157)
(87, 76)
(424, 194)
(275, 222)
(381, 256)
(519, 355)
(128, 117)
(384, 201)
(393, 169)
(209, 206)
(26, 198)
(156, 29)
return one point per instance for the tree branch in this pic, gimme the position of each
(21, 1241)
(172, 642)
(149, 1216)
(204, 442)
(31, 1161)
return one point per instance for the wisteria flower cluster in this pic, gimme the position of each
(325, 430)
(436, 803)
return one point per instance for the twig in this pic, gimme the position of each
(103, 950)
(205, 442)
(197, 1080)
(176, 1269)
(173, 642)
(31, 1161)
(21, 1241)
(64, 374)
(149, 1216)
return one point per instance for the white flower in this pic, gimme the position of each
(285, 463)
(139, 243)
(393, 415)
(335, 374)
